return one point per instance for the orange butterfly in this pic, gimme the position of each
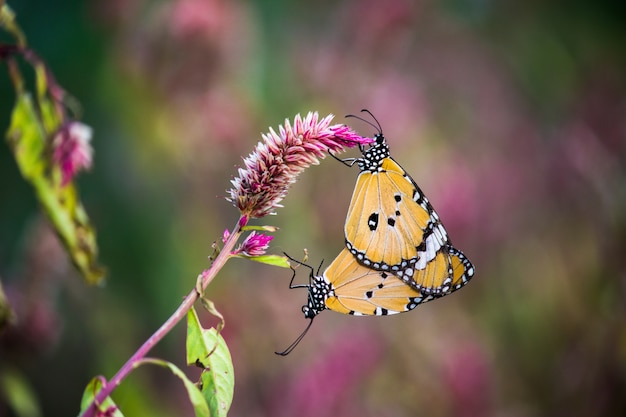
(391, 226)
(348, 287)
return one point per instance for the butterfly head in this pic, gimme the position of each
(319, 290)
(374, 155)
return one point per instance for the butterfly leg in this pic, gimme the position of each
(349, 162)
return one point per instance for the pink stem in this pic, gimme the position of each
(165, 328)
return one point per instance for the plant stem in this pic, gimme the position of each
(165, 328)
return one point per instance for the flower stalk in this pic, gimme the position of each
(269, 170)
(177, 316)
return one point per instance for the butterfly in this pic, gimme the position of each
(349, 287)
(391, 226)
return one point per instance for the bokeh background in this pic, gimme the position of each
(510, 115)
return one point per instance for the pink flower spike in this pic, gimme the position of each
(277, 161)
(72, 151)
(254, 245)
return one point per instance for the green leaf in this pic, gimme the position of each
(48, 114)
(263, 228)
(207, 348)
(18, 394)
(200, 406)
(274, 260)
(210, 307)
(92, 389)
(27, 138)
(7, 22)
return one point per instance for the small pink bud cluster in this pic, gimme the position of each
(71, 150)
(254, 245)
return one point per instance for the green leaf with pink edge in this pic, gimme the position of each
(27, 138)
(107, 407)
(207, 349)
(274, 260)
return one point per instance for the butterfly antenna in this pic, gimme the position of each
(376, 126)
(380, 128)
(366, 121)
(295, 343)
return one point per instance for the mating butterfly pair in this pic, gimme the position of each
(398, 254)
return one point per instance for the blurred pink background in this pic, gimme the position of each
(510, 116)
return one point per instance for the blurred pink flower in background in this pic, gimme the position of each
(590, 149)
(468, 378)
(191, 18)
(327, 386)
(38, 324)
(456, 199)
(375, 22)
(72, 150)
(581, 155)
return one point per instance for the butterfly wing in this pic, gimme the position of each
(389, 217)
(448, 271)
(362, 291)
(391, 226)
(390, 220)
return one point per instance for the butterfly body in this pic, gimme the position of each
(391, 226)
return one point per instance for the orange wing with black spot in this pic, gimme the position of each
(362, 291)
(388, 216)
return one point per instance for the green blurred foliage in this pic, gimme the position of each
(510, 116)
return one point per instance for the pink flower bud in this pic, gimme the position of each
(72, 151)
(254, 245)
